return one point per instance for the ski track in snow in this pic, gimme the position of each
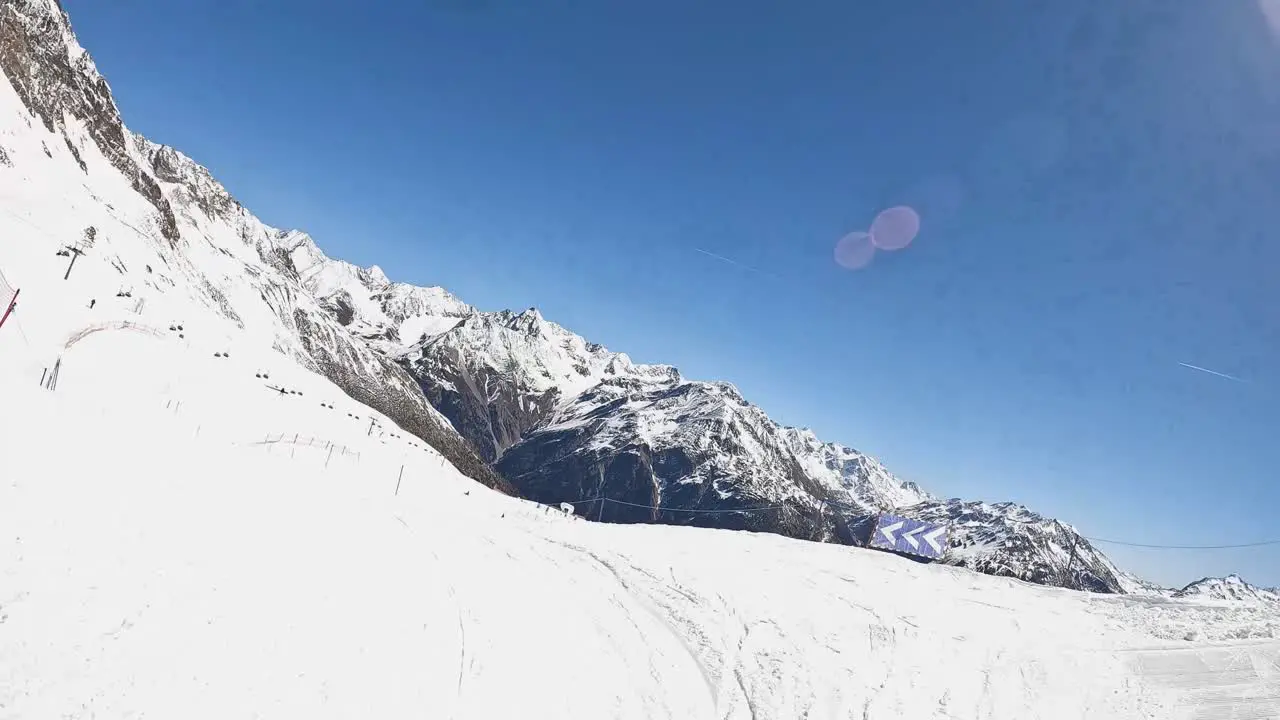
(217, 576)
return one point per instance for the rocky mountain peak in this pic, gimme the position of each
(376, 278)
(1231, 587)
(195, 184)
(528, 321)
(59, 84)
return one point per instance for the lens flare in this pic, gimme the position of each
(895, 228)
(854, 251)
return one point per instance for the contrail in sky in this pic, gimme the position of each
(1211, 372)
(731, 261)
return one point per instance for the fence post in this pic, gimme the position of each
(398, 479)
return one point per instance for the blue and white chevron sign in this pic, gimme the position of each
(912, 537)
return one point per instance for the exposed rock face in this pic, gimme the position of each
(497, 375)
(56, 78)
(194, 184)
(394, 394)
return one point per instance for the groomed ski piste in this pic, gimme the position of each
(178, 539)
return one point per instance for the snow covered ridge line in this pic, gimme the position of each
(1231, 587)
(170, 237)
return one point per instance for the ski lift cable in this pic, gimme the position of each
(672, 509)
(1182, 547)
(17, 322)
(836, 506)
(28, 223)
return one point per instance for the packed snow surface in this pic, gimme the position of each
(179, 540)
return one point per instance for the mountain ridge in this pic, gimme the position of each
(567, 420)
(1229, 587)
(165, 230)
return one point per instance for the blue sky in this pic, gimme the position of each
(1097, 188)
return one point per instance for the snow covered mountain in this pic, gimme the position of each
(560, 417)
(497, 375)
(170, 243)
(565, 420)
(389, 316)
(686, 452)
(1009, 540)
(1231, 587)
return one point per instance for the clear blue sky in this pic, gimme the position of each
(1097, 180)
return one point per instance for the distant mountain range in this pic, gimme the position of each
(1231, 587)
(566, 420)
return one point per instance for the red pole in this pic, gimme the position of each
(12, 304)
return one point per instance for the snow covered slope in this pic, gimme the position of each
(171, 246)
(213, 550)
(1231, 587)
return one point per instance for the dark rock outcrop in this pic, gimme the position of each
(53, 75)
(393, 393)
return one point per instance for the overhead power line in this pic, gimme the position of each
(673, 509)
(1183, 547)
(839, 507)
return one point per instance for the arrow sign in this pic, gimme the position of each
(933, 537)
(903, 535)
(888, 532)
